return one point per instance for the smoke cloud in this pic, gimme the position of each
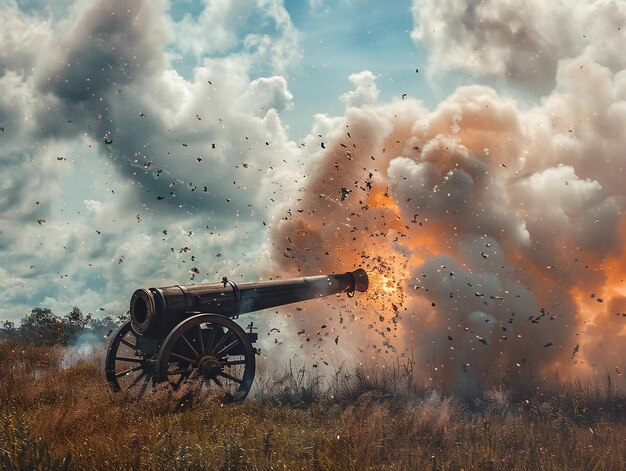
(519, 42)
(493, 231)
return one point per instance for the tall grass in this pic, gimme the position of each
(64, 417)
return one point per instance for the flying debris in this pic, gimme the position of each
(552, 169)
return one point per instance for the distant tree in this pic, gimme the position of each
(8, 330)
(102, 327)
(75, 323)
(42, 327)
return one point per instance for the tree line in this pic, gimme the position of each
(43, 327)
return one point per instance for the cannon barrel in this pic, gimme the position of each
(155, 311)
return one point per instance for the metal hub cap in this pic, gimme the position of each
(209, 367)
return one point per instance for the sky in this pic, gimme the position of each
(468, 154)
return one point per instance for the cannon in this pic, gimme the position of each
(187, 333)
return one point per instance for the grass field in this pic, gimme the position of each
(55, 416)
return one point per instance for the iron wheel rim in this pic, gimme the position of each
(212, 349)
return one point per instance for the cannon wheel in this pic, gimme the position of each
(124, 369)
(210, 348)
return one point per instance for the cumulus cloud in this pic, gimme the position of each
(519, 42)
(365, 92)
(21, 36)
(259, 30)
(133, 174)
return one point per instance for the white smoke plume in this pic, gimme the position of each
(493, 231)
(519, 41)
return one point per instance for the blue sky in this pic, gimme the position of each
(347, 38)
(339, 38)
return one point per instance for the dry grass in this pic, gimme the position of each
(65, 418)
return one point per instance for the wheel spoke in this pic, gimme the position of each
(195, 353)
(182, 357)
(128, 344)
(200, 340)
(182, 378)
(128, 371)
(224, 350)
(136, 380)
(143, 387)
(221, 342)
(130, 359)
(210, 340)
(232, 378)
(218, 382)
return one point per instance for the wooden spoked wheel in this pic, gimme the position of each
(211, 349)
(126, 369)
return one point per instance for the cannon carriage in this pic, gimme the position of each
(180, 333)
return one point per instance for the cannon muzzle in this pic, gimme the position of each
(155, 311)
